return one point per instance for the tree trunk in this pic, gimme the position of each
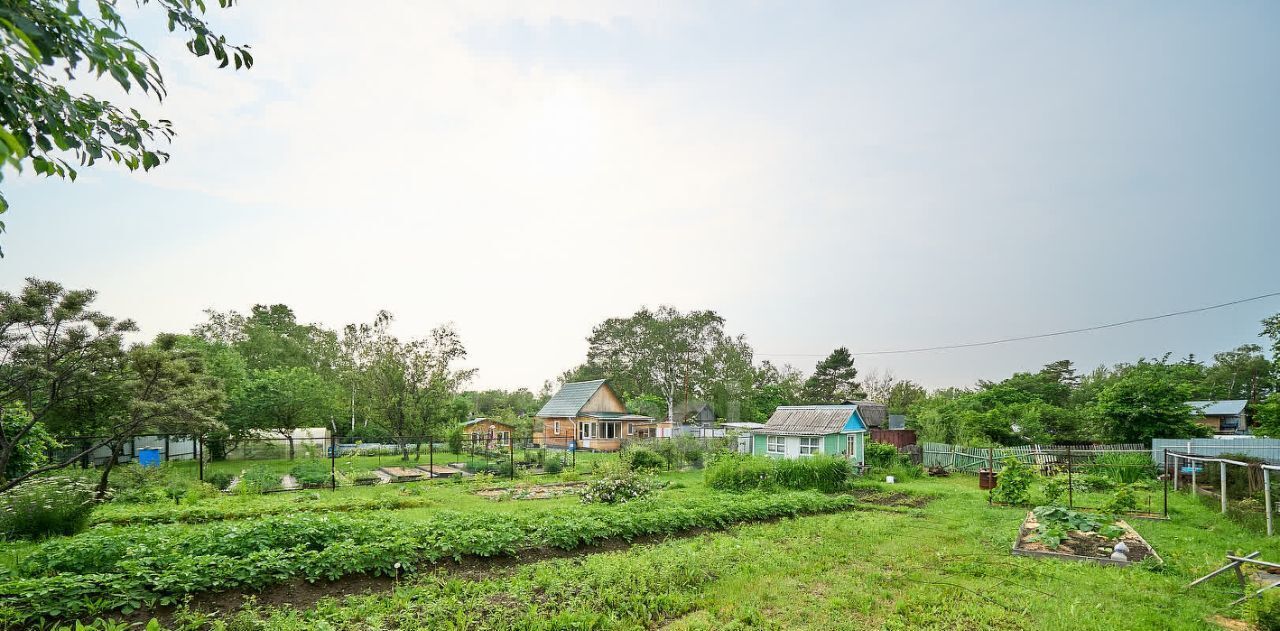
(289, 436)
(100, 494)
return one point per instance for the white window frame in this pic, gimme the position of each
(555, 426)
(809, 449)
(775, 445)
(608, 430)
(631, 429)
(584, 430)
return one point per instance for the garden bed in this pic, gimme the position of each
(403, 474)
(1083, 546)
(535, 492)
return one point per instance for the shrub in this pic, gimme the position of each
(258, 479)
(1123, 467)
(553, 464)
(220, 480)
(1123, 500)
(1054, 489)
(742, 472)
(1013, 485)
(135, 483)
(1264, 612)
(197, 492)
(822, 473)
(45, 507)
(642, 459)
(739, 472)
(311, 473)
(616, 484)
(880, 455)
(455, 440)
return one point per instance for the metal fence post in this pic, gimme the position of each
(200, 456)
(1166, 484)
(1266, 494)
(431, 456)
(1194, 490)
(1071, 485)
(511, 446)
(333, 463)
(1222, 473)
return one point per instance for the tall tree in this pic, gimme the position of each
(834, 379)
(659, 351)
(45, 43)
(1147, 400)
(282, 400)
(57, 355)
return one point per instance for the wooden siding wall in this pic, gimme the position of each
(897, 437)
(604, 400)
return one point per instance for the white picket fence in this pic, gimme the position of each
(971, 459)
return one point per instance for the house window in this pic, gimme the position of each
(584, 430)
(608, 430)
(555, 425)
(777, 445)
(631, 429)
(809, 445)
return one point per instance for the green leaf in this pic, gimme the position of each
(12, 142)
(31, 47)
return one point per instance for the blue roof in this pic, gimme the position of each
(1219, 408)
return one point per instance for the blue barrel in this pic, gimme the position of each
(149, 457)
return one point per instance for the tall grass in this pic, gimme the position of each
(1124, 467)
(741, 472)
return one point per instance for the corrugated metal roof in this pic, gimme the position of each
(1219, 408)
(813, 420)
(474, 421)
(570, 399)
(617, 416)
(897, 421)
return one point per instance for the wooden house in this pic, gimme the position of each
(1223, 417)
(487, 432)
(590, 415)
(797, 431)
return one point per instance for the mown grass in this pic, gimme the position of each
(946, 566)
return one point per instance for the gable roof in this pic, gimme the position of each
(819, 420)
(1219, 408)
(570, 399)
(483, 419)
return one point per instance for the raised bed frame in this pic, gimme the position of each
(1050, 554)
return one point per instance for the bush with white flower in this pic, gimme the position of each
(56, 505)
(615, 484)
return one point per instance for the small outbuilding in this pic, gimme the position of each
(487, 432)
(1223, 417)
(797, 431)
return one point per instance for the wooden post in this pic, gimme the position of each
(1222, 473)
(1266, 494)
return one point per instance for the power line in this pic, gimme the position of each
(1040, 335)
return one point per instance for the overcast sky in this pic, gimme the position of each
(870, 175)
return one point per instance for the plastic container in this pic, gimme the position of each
(888, 479)
(149, 457)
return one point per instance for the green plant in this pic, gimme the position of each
(1123, 500)
(258, 479)
(1264, 612)
(642, 459)
(1054, 488)
(615, 484)
(44, 507)
(743, 472)
(553, 464)
(1124, 467)
(1013, 484)
(220, 480)
(311, 473)
(1054, 522)
(880, 455)
(199, 492)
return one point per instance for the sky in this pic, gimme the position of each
(871, 175)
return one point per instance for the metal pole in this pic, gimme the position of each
(1177, 471)
(1071, 485)
(200, 455)
(431, 456)
(1266, 494)
(511, 445)
(333, 463)
(1166, 484)
(1194, 489)
(1222, 473)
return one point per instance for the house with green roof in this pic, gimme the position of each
(798, 431)
(589, 415)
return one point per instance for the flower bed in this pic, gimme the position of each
(535, 492)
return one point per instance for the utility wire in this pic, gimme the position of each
(1040, 335)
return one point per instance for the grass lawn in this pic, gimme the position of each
(946, 566)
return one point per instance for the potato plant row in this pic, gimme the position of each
(119, 568)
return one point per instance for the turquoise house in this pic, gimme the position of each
(797, 431)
